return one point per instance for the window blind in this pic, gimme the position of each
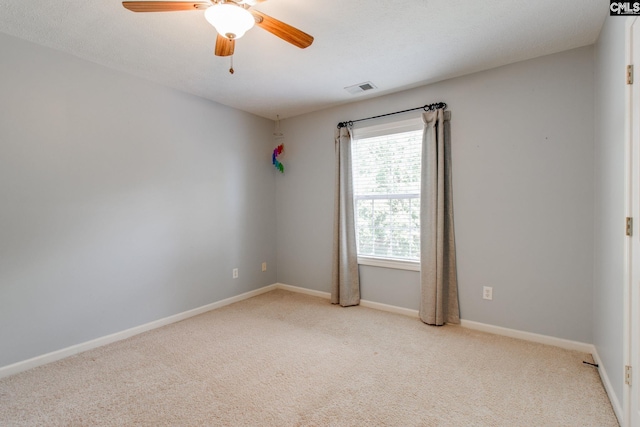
(386, 179)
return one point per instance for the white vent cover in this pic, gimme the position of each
(360, 87)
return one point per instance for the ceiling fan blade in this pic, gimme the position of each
(285, 31)
(164, 6)
(224, 46)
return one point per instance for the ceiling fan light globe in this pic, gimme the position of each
(229, 20)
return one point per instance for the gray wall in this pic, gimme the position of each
(523, 149)
(122, 202)
(609, 200)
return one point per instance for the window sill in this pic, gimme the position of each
(389, 263)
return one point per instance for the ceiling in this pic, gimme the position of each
(395, 44)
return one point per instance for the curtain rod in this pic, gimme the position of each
(428, 107)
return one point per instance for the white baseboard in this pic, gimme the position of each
(17, 367)
(363, 303)
(615, 403)
(321, 294)
(498, 330)
(390, 308)
(529, 336)
(79, 348)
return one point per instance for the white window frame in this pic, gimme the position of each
(381, 130)
(398, 264)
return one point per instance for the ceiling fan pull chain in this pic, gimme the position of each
(231, 69)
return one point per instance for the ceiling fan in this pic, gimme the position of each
(230, 18)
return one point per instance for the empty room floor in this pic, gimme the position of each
(287, 359)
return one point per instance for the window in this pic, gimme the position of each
(386, 181)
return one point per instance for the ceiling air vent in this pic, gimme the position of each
(360, 87)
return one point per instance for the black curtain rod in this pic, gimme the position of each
(428, 107)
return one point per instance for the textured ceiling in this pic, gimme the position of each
(395, 44)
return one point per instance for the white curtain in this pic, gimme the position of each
(345, 287)
(438, 278)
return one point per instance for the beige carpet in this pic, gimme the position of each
(285, 359)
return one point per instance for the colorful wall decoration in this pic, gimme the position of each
(276, 152)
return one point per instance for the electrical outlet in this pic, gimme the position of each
(235, 273)
(487, 292)
(264, 266)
